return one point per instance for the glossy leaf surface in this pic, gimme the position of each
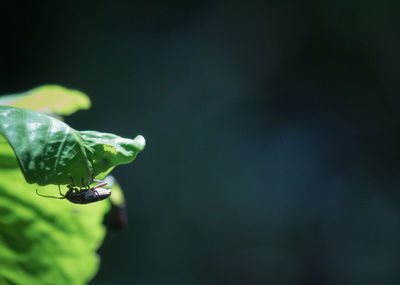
(50, 152)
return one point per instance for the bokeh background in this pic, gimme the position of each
(272, 127)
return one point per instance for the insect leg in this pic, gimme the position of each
(97, 194)
(73, 183)
(102, 183)
(86, 186)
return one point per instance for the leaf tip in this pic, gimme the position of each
(140, 142)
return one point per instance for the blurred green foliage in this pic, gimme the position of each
(49, 99)
(50, 241)
(46, 241)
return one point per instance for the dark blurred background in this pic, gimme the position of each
(272, 127)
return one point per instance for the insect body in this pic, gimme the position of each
(87, 195)
(83, 195)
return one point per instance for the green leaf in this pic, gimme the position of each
(49, 99)
(43, 240)
(50, 152)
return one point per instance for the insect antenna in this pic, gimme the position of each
(54, 197)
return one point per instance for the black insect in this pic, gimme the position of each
(83, 195)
